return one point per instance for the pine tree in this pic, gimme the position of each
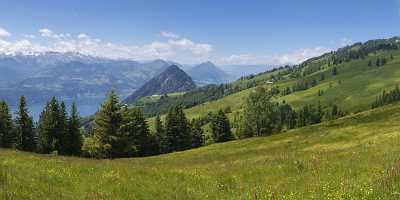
(171, 130)
(49, 127)
(62, 131)
(56, 132)
(8, 136)
(160, 135)
(185, 133)
(44, 128)
(334, 111)
(177, 130)
(134, 138)
(197, 133)
(27, 140)
(74, 133)
(106, 125)
(220, 127)
(320, 114)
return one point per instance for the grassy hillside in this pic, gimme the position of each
(353, 89)
(356, 157)
(154, 98)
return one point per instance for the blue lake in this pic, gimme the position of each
(85, 107)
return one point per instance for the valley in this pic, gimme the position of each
(199, 100)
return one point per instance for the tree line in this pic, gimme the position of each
(117, 131)
(120, 131)
(263, 117)
(54, 132)
(386, 98)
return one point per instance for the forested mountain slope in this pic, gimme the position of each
(171, 80)
(351, 78)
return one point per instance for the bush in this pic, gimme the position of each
(92, 148)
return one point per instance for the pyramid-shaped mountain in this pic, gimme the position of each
(173, 79)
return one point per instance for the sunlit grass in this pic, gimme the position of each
(357, 157)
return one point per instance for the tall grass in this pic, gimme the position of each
(356, 157)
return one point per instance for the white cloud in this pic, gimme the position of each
(83, 43)
(172, 47)
(45, 32)
(169, 35)
(195, 48)
(30, 36)
(4, 32)
(177, 42)
(83, 36)
(21, 46)
(294, 57)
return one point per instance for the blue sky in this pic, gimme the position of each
(191, 31)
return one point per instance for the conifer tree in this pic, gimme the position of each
(49, 127)
(220, 127)
(27, 140)
(160, 135)
(177, 130)
(62, 131)
(171, 130)
(334, 111)
(185, 134)
(8, 136)
(45, 141)
(197, 133)
(320, 114)
(56, 127)
(107, 123)
(73, 132)
(134, 138)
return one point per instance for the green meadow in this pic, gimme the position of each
(355, 157)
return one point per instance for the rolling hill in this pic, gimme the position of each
(351, 158)
(354, 88)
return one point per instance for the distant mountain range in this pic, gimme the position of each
(71, 75)
(207, 73)
(173, 79)
(81, 78)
